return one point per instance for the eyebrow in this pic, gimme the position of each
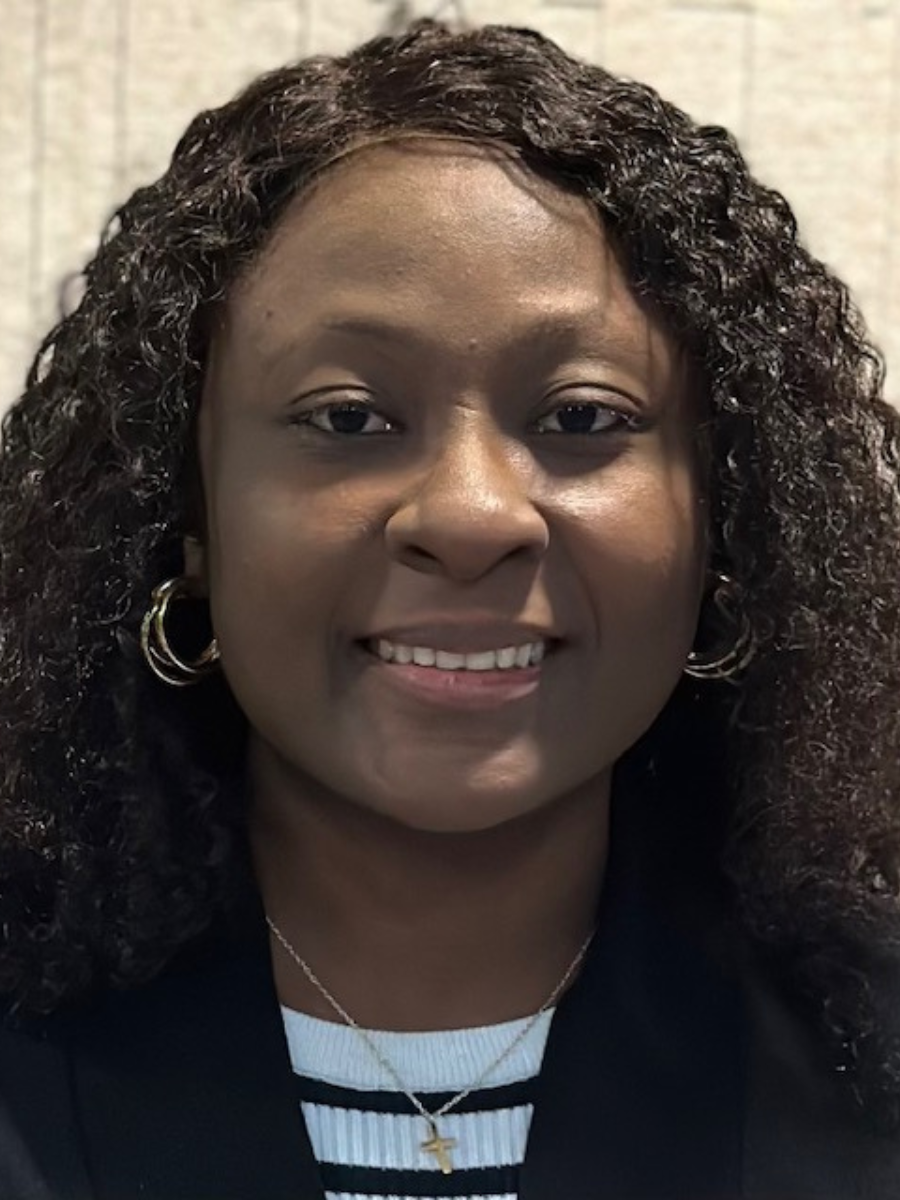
(546, 326)
(547, 332)
(370, 327)
(544, 331)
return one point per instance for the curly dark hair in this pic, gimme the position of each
(122, 814)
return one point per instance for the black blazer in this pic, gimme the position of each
(667, 1076)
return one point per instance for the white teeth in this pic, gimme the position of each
(486, 660)
(447, 661)
(508, 658)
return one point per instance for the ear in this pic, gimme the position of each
(195, 565)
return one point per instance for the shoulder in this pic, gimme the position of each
(39, 1150)
(805, 1134)
(50, 1063)
(155, 1091)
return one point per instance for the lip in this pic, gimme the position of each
(475, 691)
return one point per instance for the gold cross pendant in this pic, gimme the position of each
(440, 1147)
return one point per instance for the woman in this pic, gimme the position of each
(450, 664)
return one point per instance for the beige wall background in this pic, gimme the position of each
(94, 93)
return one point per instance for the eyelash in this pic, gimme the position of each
(308, 418)
(622, 421)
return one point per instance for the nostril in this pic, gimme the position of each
(418, 558)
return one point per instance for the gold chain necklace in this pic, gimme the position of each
(434, 1144)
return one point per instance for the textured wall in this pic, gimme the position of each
(93, 94)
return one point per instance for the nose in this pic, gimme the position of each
(470, 509)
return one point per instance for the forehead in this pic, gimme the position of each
(441, 234)
(432, 193)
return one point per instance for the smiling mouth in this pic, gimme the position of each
(505, 658)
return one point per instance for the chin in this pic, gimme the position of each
(460, 813)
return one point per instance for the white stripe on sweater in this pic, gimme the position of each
(367, 1196)
(444, 1060)
(362, 1139)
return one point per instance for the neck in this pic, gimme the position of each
(418, 930)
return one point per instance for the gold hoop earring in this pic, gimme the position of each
(161, 658)
(727, 664)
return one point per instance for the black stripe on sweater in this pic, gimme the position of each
(379, 1181)
(511, 1095)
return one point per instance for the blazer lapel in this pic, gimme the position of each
(185, 1085)
(641, 1091)
(669, 1075)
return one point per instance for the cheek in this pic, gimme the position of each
(272, 526)
(646, 585)
(281, 565)
(643, 548)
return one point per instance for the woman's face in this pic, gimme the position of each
(438, 426)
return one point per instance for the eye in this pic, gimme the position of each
(584, 417)
(346, 418)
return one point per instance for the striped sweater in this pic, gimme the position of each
(368, 1138)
